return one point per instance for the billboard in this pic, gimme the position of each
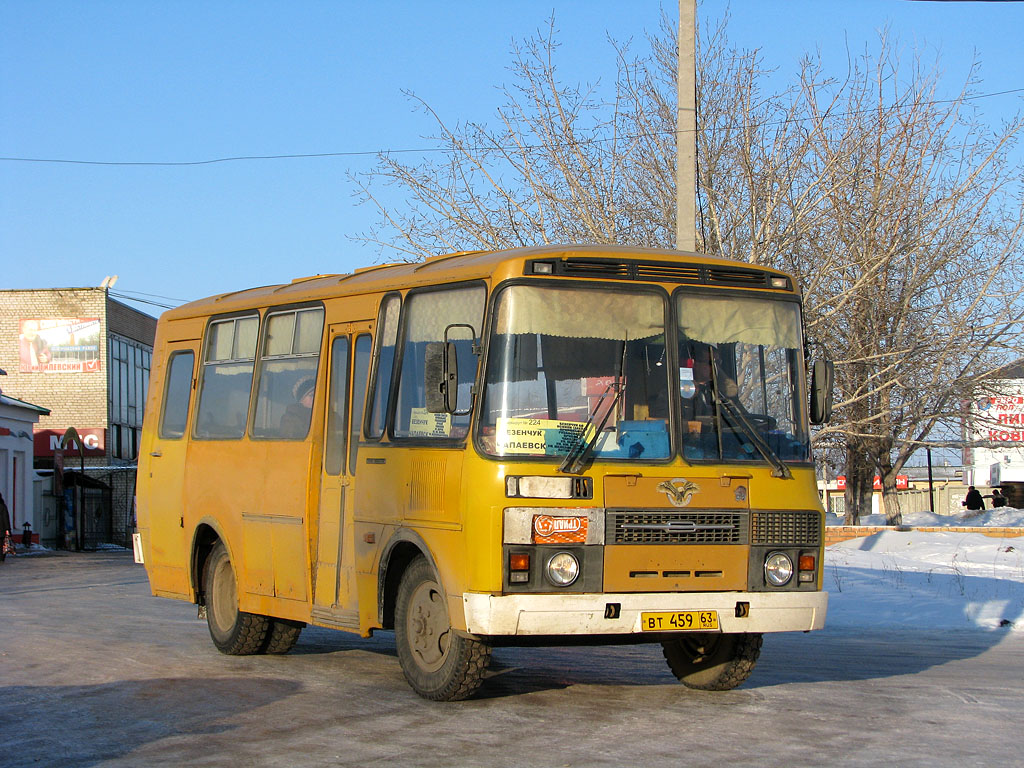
(1000, 419)
(59, 345)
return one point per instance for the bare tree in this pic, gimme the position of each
(900, 214)
(918, 242)
(560, 164)
(897, 209)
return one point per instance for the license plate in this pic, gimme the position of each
(678, 621)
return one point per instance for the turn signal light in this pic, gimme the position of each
(518, 568)
(806, 564)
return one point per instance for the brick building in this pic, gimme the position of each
(85, 357)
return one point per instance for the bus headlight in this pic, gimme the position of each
(778, 569)
(562, 569)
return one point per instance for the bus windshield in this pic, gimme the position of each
(739, 379)
(573, 368)
(577, 373)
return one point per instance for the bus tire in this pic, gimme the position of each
(710, 661)
(234, 632)
(439, 664)
(282, 636)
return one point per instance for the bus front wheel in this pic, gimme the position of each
(713, 662)
(439, 664)
(234, 632)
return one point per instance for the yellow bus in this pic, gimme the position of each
(549, 445)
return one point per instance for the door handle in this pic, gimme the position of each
(155, 454)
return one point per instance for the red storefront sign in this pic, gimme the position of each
(48, 440)
(902, 483)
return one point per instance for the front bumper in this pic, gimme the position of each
(584, 614)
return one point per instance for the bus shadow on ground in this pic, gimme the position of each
(843, 651)
(85, 725)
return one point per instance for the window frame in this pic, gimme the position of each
(161, 429)
(262, 357)
(356, 434)
(400, 360)
(801, 395)
(490, 318)
(375, 435)
(204, 364)
(338, 382)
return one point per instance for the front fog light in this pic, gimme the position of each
(562, 569)
(778, 569)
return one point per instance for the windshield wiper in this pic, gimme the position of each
(738, 414)
(580, 451)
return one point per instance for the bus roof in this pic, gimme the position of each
(453, 267)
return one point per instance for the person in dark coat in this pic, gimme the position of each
(5, 528)
(998, 500)
(295, 420)
(5, 517)
(974, 502)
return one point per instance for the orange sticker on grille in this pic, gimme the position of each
(548, 529)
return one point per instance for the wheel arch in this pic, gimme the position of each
(402, 548)
(204, 539)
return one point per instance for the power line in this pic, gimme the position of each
(142, 301)
(425, 150)
(156, 296)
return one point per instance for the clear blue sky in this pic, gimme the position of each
(151, 80)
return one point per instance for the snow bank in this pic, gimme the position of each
(919, 579)
(999, 517)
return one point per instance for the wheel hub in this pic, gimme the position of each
(428, 627)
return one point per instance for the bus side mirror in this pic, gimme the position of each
(441, 377)
(822, 380)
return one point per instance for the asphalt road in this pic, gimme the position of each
(95, 671)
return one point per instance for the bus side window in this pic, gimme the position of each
(361, 368)
(428, 315)
(337, 403)
(287, 374)
(227, 378)
(387, 337)
(177, 394)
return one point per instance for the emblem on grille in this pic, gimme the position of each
(679, 491)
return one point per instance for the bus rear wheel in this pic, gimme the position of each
(234, 632)
(439, 664)
(282, 636)
(709, 661)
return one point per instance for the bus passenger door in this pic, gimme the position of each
(334, 594)
(163, 463)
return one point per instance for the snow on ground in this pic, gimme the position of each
(904, 579)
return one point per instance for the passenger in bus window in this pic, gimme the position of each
(296, 417)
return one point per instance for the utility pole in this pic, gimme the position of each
(686, 129)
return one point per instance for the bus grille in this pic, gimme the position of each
(777, 528)
(665, 272)
(628, 527)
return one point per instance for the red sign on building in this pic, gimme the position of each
(48, 440)
(902, 482)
